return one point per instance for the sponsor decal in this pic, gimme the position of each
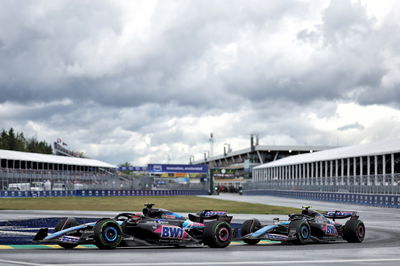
(330, 230)
(276, 237)
(338, 214)
(172, 232)
(69, 239)
(319, 219)
(189, 224)
(212, 213)
(168, 216)
(161, 221)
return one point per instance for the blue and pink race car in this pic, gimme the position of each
(309, 226)
(151, 227)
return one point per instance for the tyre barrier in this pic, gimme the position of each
(99, 193)
(377, 200)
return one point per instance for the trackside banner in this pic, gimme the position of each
(177, 168)
(378, 200)
(98, 193)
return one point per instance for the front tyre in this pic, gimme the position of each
(354, 231)
(65, 223)
(303, 231)
(107, 234)
(248, 227)
(217, 234)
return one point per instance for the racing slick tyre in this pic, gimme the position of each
(250, 226)
(354, 231)
(217, 234)
(107, 234)
(65, 223)
(303, 231)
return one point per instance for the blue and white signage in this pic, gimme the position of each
(177, 168)
(133, 168)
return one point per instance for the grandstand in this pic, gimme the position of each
(34, 171)
(244, 160)
(369, 168)
(237, 165)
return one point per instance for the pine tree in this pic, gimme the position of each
(9, 140)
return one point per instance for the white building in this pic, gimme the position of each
(17, 168)
(367, 168)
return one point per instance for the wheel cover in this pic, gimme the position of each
(361, 231)
(304, 232)
(110, 233)
(223, 234)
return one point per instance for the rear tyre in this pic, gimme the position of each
(107, 234)
(65, 223)
(303, 231)
(248, 227)
(217, 234)
(354, 231)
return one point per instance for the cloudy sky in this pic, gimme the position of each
(144, 81)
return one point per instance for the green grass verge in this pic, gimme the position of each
(172, 203)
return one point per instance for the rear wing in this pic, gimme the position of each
(210, 215)
(341, 215)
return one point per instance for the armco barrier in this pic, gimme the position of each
(378, 200)
(98, 193)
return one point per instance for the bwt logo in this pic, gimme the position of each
(157, 168)
(171, 232)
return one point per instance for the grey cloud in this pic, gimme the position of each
(40, 52)
(344, 20)
(74, 51)
(356, 126)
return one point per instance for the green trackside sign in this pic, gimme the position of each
(223, 173)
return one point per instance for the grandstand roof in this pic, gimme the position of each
(378, 148)
(47, 158)
(293, 148)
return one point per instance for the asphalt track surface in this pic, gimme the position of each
(380, 247)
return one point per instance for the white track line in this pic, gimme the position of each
(263, 262)
(15, 262)
(17, 233)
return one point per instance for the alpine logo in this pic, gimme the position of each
(69, 239)
(211, 213)
(276, 237)
(172, 232)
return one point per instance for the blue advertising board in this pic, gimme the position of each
(98, 193)
(379, 200)
(133, 168)
(177, 168)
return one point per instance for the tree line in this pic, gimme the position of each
(11, 140)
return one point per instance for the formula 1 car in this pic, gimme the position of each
(309, 226)
(151, 227)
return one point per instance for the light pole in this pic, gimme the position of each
(227, 148)
(191, 159)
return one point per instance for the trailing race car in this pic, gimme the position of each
(151, 227)
(309, 226)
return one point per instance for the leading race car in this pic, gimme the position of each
(151, 227)
(309, 226)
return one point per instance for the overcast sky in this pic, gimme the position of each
(144, 81)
